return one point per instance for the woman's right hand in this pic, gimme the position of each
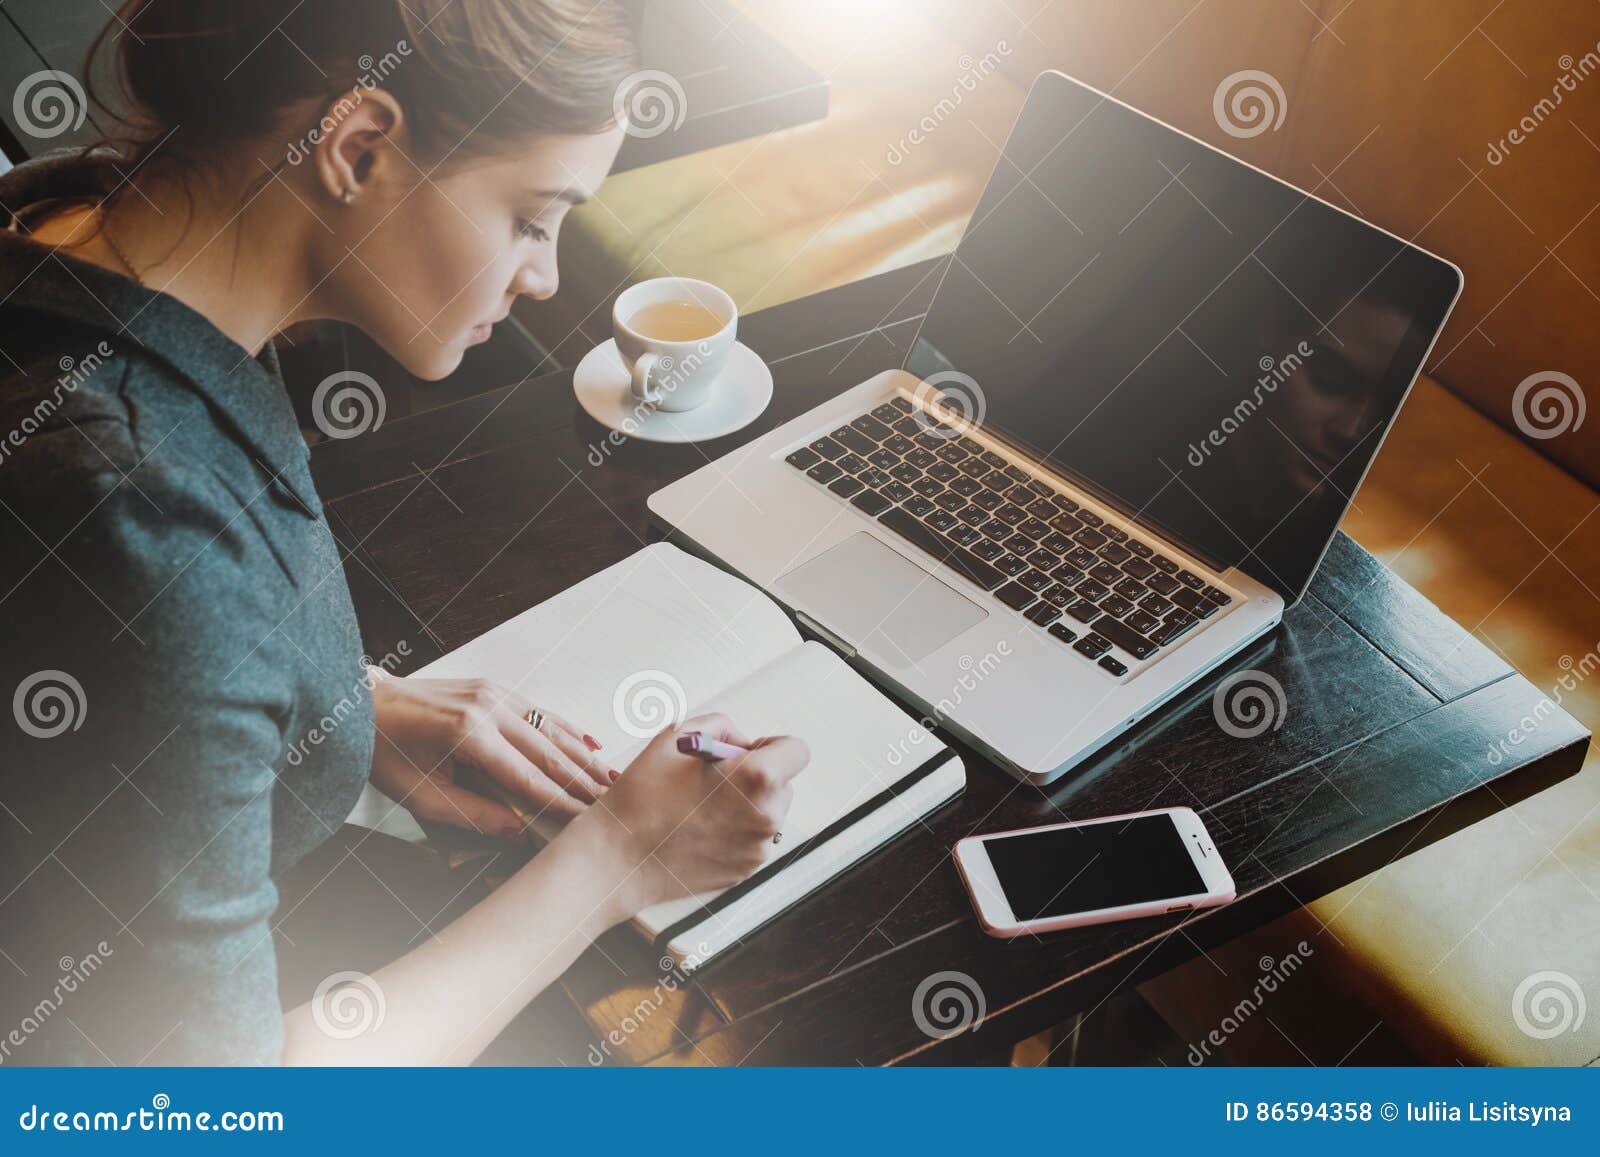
(676, 826)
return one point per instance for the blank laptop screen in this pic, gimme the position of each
(1211, 348)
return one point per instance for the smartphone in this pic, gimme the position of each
(1092, 871)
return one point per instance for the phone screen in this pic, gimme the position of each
(1105, 865)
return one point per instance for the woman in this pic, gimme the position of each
(176, 620)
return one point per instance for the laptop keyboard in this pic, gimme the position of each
(1090, 585)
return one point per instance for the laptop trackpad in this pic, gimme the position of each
(876, 599)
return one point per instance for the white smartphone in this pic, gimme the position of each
(1092, 871)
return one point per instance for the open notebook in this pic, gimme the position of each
(663, 635)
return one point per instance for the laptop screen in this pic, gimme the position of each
(1213, 350)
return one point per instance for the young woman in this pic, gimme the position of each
(175, 615)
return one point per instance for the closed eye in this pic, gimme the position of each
(529, 228)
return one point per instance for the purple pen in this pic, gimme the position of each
(703, 746)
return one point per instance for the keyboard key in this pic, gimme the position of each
(1021, 495)
(824, 472)
(917, 505)
(949, 500)
(943, 471)
(870, 501)
(973, 468)
(1090, 518)
(987, 549)
(1056, 596)
(920, 458)
(1056, 542)
(1044, 560)
(804, 458)
(997, 481)
(1173, 629)
(852, 439)
(964, 486)
(1080, 557)
(1164, 583)
(851, 463)
(1063, 632)
(964, 535)
(1111, 552)
(1067, 575)
(871, 427)
(886, 413)
(1010, 564)
(1020, 544)
(1125, 637)
(1043, 509)
(1011, 514)
(1114, 533)
(994, 460)
(845, 487)
(1195, 604)
(1016, 473)
(963, 562)
(1091, 645)
(951, 452)
(940, 520)
(928, 487)
(906, 472)
(896, 492)
(1091, 590)
(827, 447)
(1042, 614)
(907, 427)
(1138, 568)
(1130, 588)
(973, 516)
(1040, 487)
(883, 460)
(1142, 621)
(996, 530)
(1066, 524)
(1155, 604)
(901, 404)
(1066, 503)
(1033, 528)
(1014, 595)
(1111, 664)
(899, 444)
(1083, 610)
(1139, 548)
(1035, 580)
(1115, 605)
(1191, 580)
(1165, 563)
(988, 499)
(1092, 539)
(1104, 572)
(1217, 595)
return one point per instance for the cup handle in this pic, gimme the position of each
(641, 378)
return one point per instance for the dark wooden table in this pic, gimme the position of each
(461, 517)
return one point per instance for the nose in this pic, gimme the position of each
(536, 280)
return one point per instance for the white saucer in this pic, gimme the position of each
(738, 397)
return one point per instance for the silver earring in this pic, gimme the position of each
(348, 196)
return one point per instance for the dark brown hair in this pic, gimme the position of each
(190, 77)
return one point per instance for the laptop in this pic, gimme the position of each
(1147, 386)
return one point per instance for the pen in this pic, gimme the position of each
(702, 746)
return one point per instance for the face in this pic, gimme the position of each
(433, 263)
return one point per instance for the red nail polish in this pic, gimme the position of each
(591, 742)
(615, 775)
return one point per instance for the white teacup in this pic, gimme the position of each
(674, 367)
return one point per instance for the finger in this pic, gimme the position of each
(450, 803)
(542, 751)
(770, 767)
(717, 726)
(589, 742)
(508, 767)
(573, 747)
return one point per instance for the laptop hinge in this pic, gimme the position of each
(846, 650)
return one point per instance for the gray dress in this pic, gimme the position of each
(174, 627)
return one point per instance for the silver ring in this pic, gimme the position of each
(777, 838)
(534, 718)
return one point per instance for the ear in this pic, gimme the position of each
(356, 142)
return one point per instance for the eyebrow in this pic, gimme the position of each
(570, 196)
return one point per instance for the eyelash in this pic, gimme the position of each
(527, 228)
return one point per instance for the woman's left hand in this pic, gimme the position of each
(426, 727)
